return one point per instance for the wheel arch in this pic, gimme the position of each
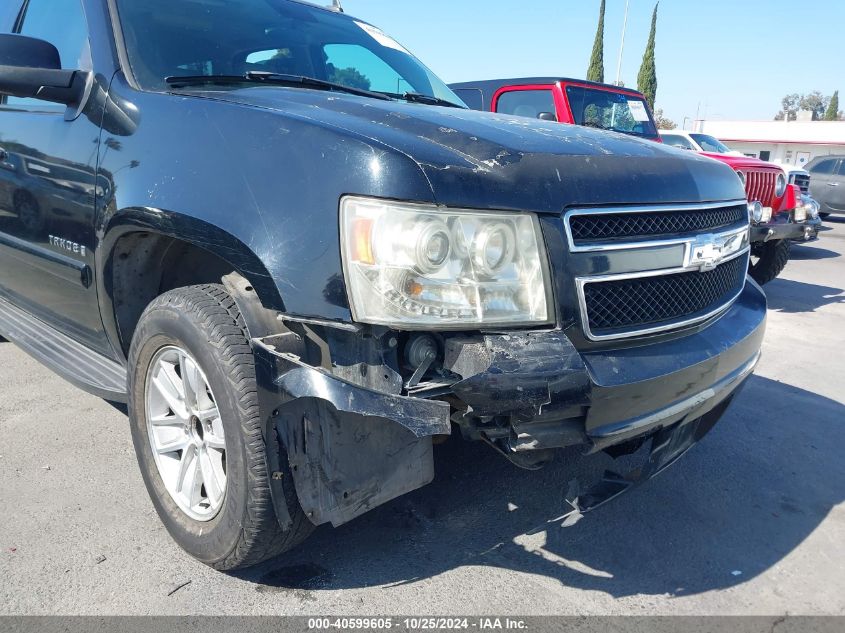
(145, 252)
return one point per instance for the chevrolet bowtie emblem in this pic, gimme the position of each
(707, 252)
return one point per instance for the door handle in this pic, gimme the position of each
(830, 184)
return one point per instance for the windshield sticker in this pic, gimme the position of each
(638, 110)
(381, 37)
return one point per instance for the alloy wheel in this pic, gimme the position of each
(186, 433)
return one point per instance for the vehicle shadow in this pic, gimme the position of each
(785, 295)
(736, 505)
(803, 252)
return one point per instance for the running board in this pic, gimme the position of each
(74, 362)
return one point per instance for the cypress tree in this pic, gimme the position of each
(832, 112)
(647, 77)
(596, 70)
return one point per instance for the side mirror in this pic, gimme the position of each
(32, 68)
(547, 116)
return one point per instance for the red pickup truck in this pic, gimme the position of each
(775, 207)
(563, 100)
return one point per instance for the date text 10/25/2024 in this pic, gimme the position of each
(418, 624)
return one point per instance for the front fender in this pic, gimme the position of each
(186, 229)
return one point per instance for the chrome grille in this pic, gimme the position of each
(598, 226)
(656, 301)
(803, 182)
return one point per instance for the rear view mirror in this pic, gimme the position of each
(547, 116)
(32, 68)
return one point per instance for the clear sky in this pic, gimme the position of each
(726, 59)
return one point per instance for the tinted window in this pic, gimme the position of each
(167, 38)
(358, 67)
(610, 111)
(62, 23)
(677, 141)
(824, 167)
(472, 97)
(527, 103)
(841, 170)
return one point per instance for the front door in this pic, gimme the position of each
(822, 182)
(48, 186)
(836, 188)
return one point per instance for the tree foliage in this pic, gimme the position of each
(832, 113)
(815, 102)
(647, 77)
(350, 77)
(822, 107)
(663, 123)
(788, 107)
(595, 72)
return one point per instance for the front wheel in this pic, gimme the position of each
(197, 431)
(768, 259)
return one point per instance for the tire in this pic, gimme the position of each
(772, 258)
(204, 322)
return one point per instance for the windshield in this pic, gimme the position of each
(172, 38)
(710, 144)
(610, 111)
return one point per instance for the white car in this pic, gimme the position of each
(696, 142)
(796, 176)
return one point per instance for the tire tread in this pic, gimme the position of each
(217, 315)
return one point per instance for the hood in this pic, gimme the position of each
(482, 160)
(743, 162)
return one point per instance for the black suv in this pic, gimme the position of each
(299, 258)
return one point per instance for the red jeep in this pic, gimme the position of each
(775, 207)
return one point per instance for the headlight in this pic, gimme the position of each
(742, 177)
(780, 186)
(808, 208)
(755, 211)
(419, 266)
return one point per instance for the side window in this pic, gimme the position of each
(824, 167)
(841, 171)
(358, 67)
(472, 97)
(62, 23)
(527, 103)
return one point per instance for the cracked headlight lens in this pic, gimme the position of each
(419, 266)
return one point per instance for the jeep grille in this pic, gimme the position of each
(760, 186)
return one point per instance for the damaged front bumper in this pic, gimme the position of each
(355, 438)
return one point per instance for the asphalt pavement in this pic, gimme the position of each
(751, 521)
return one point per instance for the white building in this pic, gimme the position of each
(792, 142)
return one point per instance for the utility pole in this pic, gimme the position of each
(622, 46)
